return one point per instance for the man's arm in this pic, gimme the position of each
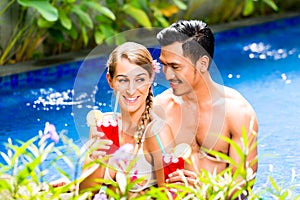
(244, 117)
(243, 120)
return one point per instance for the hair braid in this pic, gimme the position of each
(145, 118)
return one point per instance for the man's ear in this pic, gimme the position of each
(109, 80)
(203, 63)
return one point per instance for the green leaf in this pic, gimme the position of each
(138, 14)
(249, 7)
(6, 158)
(273, 183)
(103, 10)
(180, 4)
(44, 7)
(107, 12)
(42, 23)
(107, 31)
(22, 149)
(221, 156)
(73, 32)
(62, 172)
(83, 16)
(236, 147)
(64, 19)
(99, 37)
(162, 21)
(4, 184)
(34, 150)
(271, 4)
(84, 36)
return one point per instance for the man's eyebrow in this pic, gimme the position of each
(170, 63)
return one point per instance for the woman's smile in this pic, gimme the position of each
(131, 100)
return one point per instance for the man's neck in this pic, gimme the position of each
(202, 94)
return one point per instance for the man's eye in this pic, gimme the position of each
(174, 67)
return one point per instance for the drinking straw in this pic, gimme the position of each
(116, 104)
(160, 144)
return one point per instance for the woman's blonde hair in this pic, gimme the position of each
(137, 54)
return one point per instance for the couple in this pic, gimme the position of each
(195, 111)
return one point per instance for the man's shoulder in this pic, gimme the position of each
(237, 104)
(235, 97)
(164, 98)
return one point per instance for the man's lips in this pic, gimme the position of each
(131, 99)
(174, 84)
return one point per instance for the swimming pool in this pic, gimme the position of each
(262, 62)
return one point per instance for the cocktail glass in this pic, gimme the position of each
(109, 126)
(171, 164)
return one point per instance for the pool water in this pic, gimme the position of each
(262, 62)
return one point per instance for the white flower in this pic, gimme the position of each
(156, 66)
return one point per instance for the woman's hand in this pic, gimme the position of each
(97, 145)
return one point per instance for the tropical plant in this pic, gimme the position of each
(24, 174)
(28, 163)
(229, 10)
(50, 27)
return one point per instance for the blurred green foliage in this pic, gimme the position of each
(23, 175)
(50, 27)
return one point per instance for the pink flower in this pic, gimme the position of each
(134, 177)
(156, 66)
(50, 132)
(123, 153)
(101, 196)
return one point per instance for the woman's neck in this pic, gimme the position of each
(130, 120)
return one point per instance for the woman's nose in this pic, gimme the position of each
(132, 88)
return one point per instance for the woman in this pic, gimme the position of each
(131, 73)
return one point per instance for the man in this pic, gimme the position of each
(200, 111)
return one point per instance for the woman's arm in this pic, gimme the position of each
(93, 169)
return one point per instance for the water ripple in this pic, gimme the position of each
(261, 50)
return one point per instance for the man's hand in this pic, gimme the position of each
(183, 177)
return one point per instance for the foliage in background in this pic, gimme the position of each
(229, 10)
(70, 25)
(50, 27)
(28, 163)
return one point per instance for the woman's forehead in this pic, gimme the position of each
(125, 67)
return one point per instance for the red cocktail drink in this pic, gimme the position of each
(109, 127)
(171, 164)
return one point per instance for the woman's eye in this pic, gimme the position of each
(122, 80)
(140, 80)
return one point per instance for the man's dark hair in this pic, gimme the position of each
(196, 37)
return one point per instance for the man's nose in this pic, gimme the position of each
(169, 73)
